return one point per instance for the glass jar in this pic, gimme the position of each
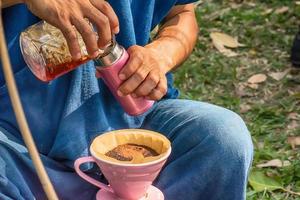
(46, 52)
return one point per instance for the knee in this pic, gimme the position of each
(224, 132)
(230, 136)
(207, 128)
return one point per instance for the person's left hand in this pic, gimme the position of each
(143, 74)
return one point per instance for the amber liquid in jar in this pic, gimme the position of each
(46, 52)
(53, 71)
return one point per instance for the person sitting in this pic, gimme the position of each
(211, 146)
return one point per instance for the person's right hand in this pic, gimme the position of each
(67, 14)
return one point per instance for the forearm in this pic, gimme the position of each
(176, 37)
(7, 3)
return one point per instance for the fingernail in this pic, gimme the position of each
(104, 47)
(116, 30)
(122, 76)
(77, 56)
(120, 93)
(95, 54)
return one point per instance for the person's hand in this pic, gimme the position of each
(70, 14)
(143, 74)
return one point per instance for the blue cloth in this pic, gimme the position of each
(77, 103)
(67, 113)
(210, 159)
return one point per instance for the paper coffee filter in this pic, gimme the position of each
(108, 141)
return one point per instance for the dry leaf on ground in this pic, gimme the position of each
(268, 11)
(260, 145)
(222, 40)
(244, 108)
(223, 50)
(293, 125)
(257, 78)
(293, 116)
(294, 141)
(240, 90)
(282, 10)
(215, 15)
(225, 40)
(270, 174)
(279, 75)
(252, 52)
(251, 4)
(253, 85)
(274, 163)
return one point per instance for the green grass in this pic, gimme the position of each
(212, 77)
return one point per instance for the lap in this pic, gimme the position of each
(188, 123)
(168, 116)
(178, 111)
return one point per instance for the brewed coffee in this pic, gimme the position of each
(128, 152)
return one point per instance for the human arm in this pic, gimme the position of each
(144, 73)
(8, 3)
(71, 15)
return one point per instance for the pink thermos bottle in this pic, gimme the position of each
(109, 65)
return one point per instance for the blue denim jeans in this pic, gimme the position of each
(210, 160)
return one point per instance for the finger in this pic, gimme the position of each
(134, 62)
(103, 27)
(159, 91)
(134, 81)
(88, 35)
(148, 85)
(69, 33)
(155, 95)
(108, 11)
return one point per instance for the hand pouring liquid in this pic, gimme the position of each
(46, 53)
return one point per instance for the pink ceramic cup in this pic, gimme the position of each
(127, 181)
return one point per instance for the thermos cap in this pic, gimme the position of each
(110, 55)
